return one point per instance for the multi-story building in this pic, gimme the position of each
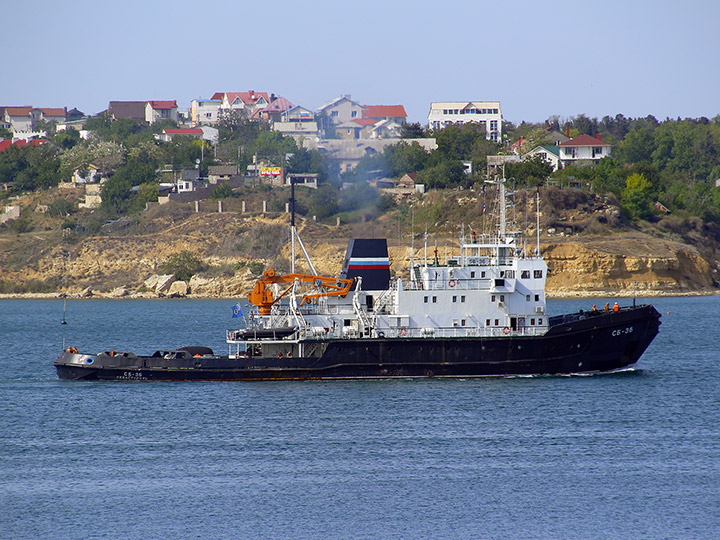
(161, 110)
(486, 113)
(584, 148)
(205, 111)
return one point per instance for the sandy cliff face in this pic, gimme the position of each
(579, 266)
(614, 265)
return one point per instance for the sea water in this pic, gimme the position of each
(634, 454)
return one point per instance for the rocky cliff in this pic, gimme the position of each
(118, 263)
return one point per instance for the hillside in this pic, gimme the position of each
(588, 247)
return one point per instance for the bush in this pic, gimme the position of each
(222, 191)
(184, 265)
(22, 225)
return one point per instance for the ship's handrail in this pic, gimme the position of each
(403, 333)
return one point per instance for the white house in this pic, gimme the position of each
(205, 111)
(584, 147)
(22, 120)
(161, 110)
(341, 110)
(248, 101)
(486, 113)
(550, 153)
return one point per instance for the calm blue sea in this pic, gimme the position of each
(623, 456)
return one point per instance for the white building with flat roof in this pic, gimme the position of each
(486, 113)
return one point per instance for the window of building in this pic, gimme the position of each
(487, 322)
(537, 297)
(425, 299)
(472, 274)
(497, 322)
(525, 274)
(539, 321)
(502, 298)
(532, 322)
(537, 274)
(527, 297)
(492, 298)
(462, 299)
(434, 299)
(353, 114)
(454, 298)
(462, 322)
(334, 114)
(482, 274)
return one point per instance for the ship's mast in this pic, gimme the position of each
(294, 234)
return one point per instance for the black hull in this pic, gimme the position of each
(575, 344)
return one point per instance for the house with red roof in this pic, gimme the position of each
(161, 110)
(168, 134)
(273, 111)
(584, 148)
(22, 120)
(248, 101)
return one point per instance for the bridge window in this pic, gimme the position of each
(472, 274)
(525, 274)
(454, 298)
(434, 299)
(462, 298)
(527, 297)
(425, 299)
(537, 274)
(502, 297)
(537, 297)
(487, 322)
(492, 298)
(462, 322)
(497, 322)
(532, 322)
(539, 321)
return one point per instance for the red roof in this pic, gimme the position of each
(183, 131)
(4, 145)
(585, 140)
(53, 112)
(163, 104)
(18, 111)
(365, 121)
(384, 111)
(249, 98)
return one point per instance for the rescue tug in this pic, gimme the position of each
(479, 313)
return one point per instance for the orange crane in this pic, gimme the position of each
(262, 296)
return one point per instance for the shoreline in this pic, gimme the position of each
(564, 295)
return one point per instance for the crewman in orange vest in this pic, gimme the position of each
(616, 307)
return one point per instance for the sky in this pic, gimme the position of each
(538, 59)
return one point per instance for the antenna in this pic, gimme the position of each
(292, 224)
(537, 224)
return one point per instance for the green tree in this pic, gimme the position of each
(637, 196)
(184, 265)
(412, 131)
